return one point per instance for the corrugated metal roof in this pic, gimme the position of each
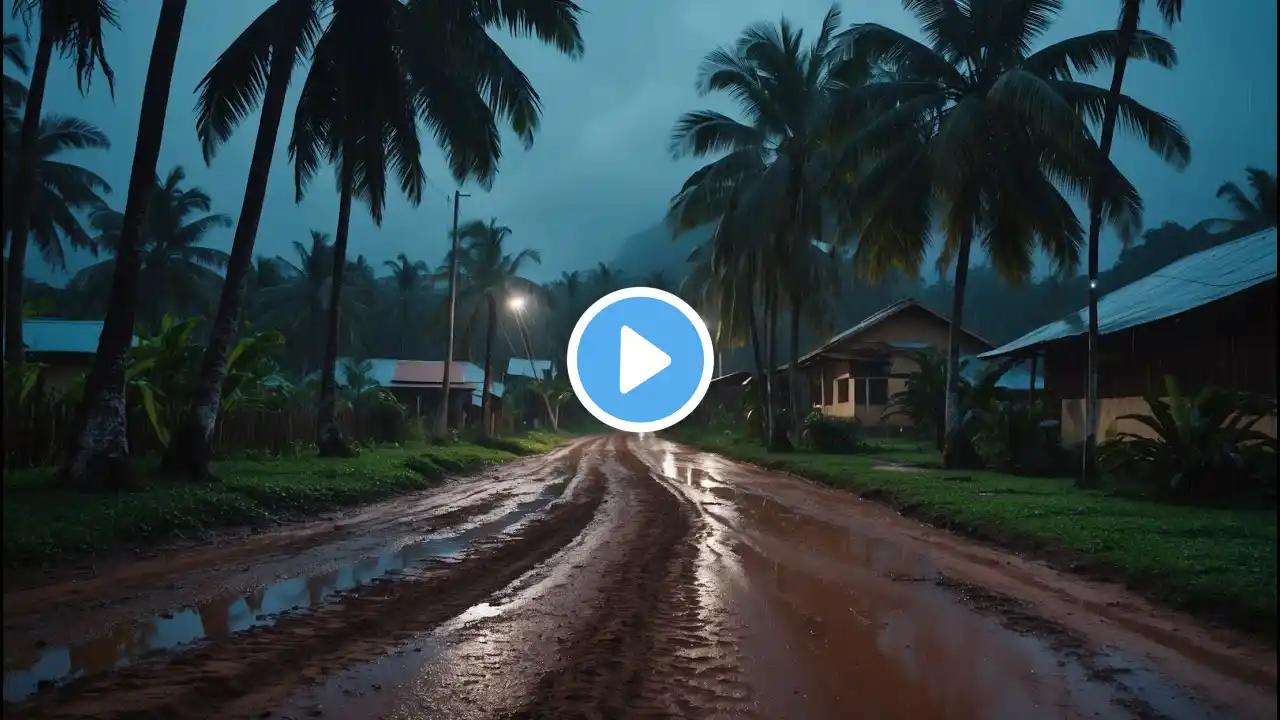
(381, 370)
(875, 319)
(53, 335)
(1017, 377)
(1186, 284)
(431, 372)
(523, 367)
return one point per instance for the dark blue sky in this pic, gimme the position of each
(600, 171)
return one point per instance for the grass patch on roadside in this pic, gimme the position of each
(1216, 562)
(44, 523)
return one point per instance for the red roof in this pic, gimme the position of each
(428, 372)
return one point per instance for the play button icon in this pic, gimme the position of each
(640, 359)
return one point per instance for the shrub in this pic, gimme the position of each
(1019, 438)
(1204, 448)
(831, 435)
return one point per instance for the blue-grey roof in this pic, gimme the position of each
(523, 367)
(53, 335)
(1186, 284)
(875, 319)
(1017, 377)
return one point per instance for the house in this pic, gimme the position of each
(417, 384)
(1207, 319)
(526, 368)
(856, 373)
(65, 348)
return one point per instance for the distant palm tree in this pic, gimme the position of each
(75, 28)
(298, 300)
(63, 189)
(98, 456)
(489, 277)
(983, 138)
(1252, 214)
(178, 272)
(409, 278)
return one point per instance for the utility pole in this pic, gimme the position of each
(442, 416)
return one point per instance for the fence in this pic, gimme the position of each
(41, 439)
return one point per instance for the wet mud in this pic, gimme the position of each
(621, 576)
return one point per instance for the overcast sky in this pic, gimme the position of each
(599, 170)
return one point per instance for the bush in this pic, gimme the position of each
(831, 435)
(1204, 448)
(1019, 438)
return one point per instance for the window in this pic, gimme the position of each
(842, 390)
(877, 391)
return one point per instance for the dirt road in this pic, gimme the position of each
(620, 576)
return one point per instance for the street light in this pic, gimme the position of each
(516, 303)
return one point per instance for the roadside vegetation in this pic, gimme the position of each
(44, 522)
(1185, 512)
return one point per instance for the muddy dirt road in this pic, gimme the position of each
(619, 576)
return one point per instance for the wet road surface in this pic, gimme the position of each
(619, 576)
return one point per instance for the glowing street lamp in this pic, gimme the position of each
(516, 303)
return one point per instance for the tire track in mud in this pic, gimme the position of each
(256, 666)
(647, 649)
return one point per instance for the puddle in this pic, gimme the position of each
(127, 643)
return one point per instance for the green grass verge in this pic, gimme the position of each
(1220, 563)
(44, 523)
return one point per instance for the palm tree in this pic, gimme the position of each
(984, 136)
(256, 67)
(75, 28)
(408, 278)
(1127, 45)
(178, 272)
(99, 452)
(1252, 214)
(489, 276)
(15, 53)
(63, 189)
(774, 168)
(298, 299)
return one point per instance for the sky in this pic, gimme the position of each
(599, 170)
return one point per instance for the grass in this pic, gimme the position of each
(1220, 563)
(44, 523)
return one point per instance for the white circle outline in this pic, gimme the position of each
(708, 357)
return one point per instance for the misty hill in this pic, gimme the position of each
(655, 249)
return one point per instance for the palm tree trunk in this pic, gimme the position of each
(762, 381)
(24, 186)
(15, 265)
(950, 448)
(191, 449)
(329, 441)
(793, 374)
(485, 405)
(1128, 30)
(777, 431)
(98, 455)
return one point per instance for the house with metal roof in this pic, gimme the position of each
(65, 347)
(527, 368)
(418, 383)
(857, 371)
(1207, 319)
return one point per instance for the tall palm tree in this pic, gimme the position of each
(441, 68)
(1127, 46)
(984, 136)
(1252, 214)
(408, 277)
(255, 68)
(63, 188)
(98, 455)
(177, 270)
(75, 28)
(774, 168)
(488, 277)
